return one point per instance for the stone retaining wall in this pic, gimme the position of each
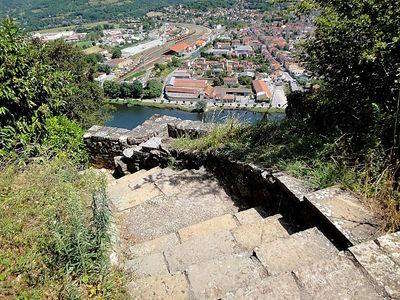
(149, 145)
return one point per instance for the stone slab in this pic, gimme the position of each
(379, 265)
(294, 186)
(252, 235)
(212, 279)
(153, 143)
(138, 194)
(248, 216)
(155, 126)
(167, 214)
(157, 245)
(346, 213)
(273, 288)
(150, 265)
(191, 129)
(160, 287)
(303, 248)
(335, 278)
(200, 249)
(390, 244)
(206, 227)
(116, 187)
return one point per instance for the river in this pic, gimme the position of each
(131, 117)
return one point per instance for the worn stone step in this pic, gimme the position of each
(344, 213)
(302, 248)
(163, 213)
(150, 265)
(212, 279)
(200, 249)
(153, 246)
(251, 215)
(282, 286)
(192, 183)
(335, 277)
(257, 233)
(380, 259)
(160, 287)
(207, 227)
(133, 189)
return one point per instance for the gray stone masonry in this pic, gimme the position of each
(219, 228)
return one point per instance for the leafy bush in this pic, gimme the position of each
(64, 135)
(39, 81)
(153, 89)
(54, 224)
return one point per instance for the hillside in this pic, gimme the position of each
(37, 14)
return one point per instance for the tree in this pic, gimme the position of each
(41, 81)
(245, 80)
(104, 68)
(137, 89)
(111, 89)
(153, 89)
(116, 53)
(355, 53)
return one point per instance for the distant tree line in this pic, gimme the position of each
(114, 90)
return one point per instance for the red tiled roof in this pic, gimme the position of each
(180, 47)
(190, 83)
(183, 90)
(261, 86)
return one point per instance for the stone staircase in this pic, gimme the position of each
(179, 235)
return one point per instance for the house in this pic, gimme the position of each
(181, 74)
(231, 94)
(178, 49)
(243, 51)
(261, 90)
(185, 89)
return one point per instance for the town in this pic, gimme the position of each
(246, 61)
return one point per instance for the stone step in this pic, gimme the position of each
(207, 227)
(160, 287)
(251, 215)
(302, 248)
(153, 246)
(149, 265)
(344, 213)
(201, 249)
(283, 286)
(156, 210)
(133, 189)
(257, 230)
(212, 279)
(335, 277)
(380, 258)
(254, 234)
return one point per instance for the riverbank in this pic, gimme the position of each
(191, 108)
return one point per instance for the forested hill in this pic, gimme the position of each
(37, 14)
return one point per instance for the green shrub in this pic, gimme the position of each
(67, 136)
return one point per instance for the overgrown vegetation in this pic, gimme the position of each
(54, 233)
(54, 218)
(345, 129)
